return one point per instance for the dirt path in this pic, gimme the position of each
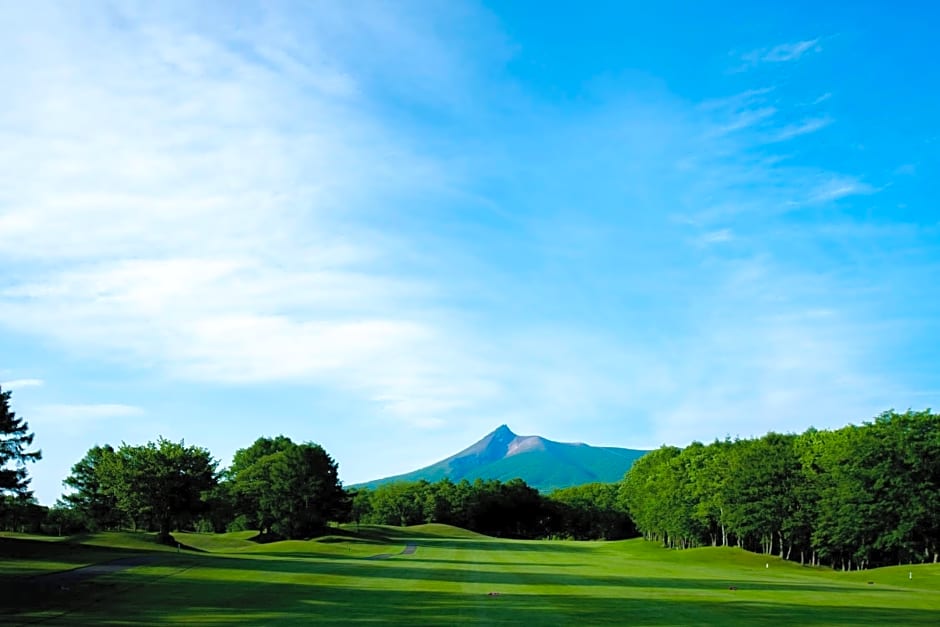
(409, 549)
(67, 578)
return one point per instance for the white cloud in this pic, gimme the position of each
(720, 236)
(790, 51)
(782, 53)
(17, 384)
(837, 187)
(204, 208)
(76, 416)
(742, 120)
(802, 128)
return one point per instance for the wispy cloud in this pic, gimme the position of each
(790, 51)
(781, 53)
(717, 237)
(206, 208)
(17, 384)
(802, 128)
(838, 187)
(746, 119)
(74, 418)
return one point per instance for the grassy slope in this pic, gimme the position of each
(451, 575)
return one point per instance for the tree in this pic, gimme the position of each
(286, 488)
(21, 513)
(399, 503)
(306, 478)
(591, 512)
(96, 506)
(15, 439)
(251, 480)
(360, 506)
(159, 485)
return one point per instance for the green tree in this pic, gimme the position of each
(21, 513)
(646, 491)
(15, 440)
(289, 489)
(398, 503)
(360, 505)
(89, 498)
(591, 511)
(160, 484)
(250, 476)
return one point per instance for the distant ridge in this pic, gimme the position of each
(541, 463)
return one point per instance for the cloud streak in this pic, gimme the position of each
(18, 384)
(781, 53)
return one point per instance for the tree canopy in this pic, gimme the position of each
(158, 485)
(15, 440)
(288, 489)
(855, 497)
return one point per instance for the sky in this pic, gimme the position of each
(390, 227)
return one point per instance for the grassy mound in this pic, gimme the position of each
(437, 530)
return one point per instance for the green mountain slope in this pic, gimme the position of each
(542, 463)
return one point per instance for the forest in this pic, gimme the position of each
(852, 498)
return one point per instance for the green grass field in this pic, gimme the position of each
(453, 576)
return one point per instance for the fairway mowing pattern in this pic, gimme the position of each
(77, 575)
(408, 550)
(488, 581)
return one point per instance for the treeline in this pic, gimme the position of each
(512, 509)
(856, 497)
(289, 490)
(275, 485)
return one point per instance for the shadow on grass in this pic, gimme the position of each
(407, 568)
(179, 600)
(63, 551)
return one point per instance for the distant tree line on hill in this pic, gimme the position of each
(512, 509)
(856, 497)
(289, 490)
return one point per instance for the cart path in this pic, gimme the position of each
(409, 549)
(67, 578)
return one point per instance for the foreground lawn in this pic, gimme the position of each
(451, 576)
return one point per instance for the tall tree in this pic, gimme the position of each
(287, 488)
(250, 478)
(97, 506)
(15, 439)
(160, 484)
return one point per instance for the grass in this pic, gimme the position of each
(454, 576)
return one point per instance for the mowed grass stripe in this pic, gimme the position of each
(452, 574)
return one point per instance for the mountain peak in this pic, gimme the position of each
(542, 463)
(503, 430)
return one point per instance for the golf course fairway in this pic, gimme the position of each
(437, 575)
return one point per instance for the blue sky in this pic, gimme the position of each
(391, 227)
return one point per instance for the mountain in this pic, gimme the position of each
(541, 463)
